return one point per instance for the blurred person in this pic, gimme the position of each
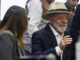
(71, 6)
(50, 39)
(35, 10)
(12, 28)
(74, 32)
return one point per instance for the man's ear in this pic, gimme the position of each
(50, 19)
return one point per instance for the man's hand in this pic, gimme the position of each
(65, 41)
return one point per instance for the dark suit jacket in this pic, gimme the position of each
(44, 42)
(7, 46)
(74, 33)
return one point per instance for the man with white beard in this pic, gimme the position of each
(50, 39)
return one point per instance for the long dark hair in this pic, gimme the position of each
(15, 20)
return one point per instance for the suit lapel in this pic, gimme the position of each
(51, 35)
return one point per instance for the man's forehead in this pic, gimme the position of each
(61, 15)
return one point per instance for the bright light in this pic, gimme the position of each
(5, 4)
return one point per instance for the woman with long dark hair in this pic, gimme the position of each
(12, 28)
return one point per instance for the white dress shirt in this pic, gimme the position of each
(35, 14)
(58, 38)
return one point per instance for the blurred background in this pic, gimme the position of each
(5, 4)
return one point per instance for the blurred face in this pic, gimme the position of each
(59, 21)
(72, 3)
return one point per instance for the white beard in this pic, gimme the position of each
(58, 27)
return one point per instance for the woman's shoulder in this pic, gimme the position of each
(7, 35)
(6, 32)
